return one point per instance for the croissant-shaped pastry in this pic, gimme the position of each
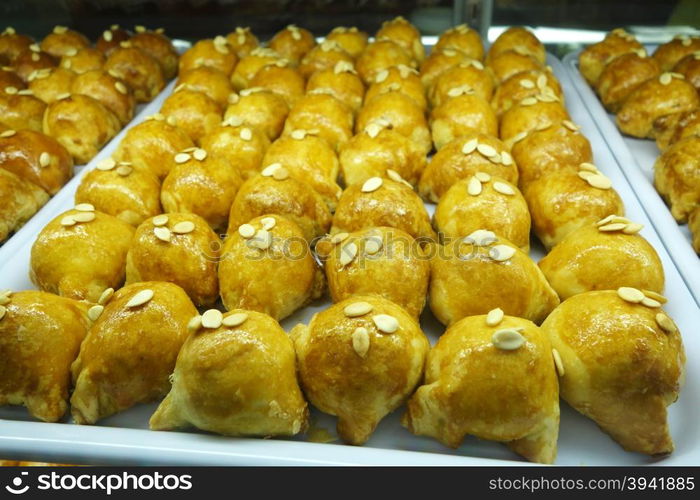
(677, 178)
(340, 81)
(281, 79)
(241, 146)
(325, 55)
(209, 81)
(379, 55)
(468, 74)
(359, 360)
(594, 58)
(130, 350)
(405, 34)
(689, 67)
(21, 200)
(493, 377)
(620, 363)
(40, 336)
(325, 113)
(520, 39)
(462, 38)
(242, 41)
(603, 256)
(669, 53)
(463, 113)
(523, 85)
(213, 53)
(292, 43)
(247, 386)
(258, 108)
(671, 128)
(622, 76)
(352, 40)
(194, 112)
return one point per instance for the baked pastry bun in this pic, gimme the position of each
(340, 81)
(83, 60)
(531, 113)
(40, 336)
(671, 128)
(243, 41)
(37, 158)
(405, 34)
(359, 360)
(508, 279)
(111, 39)
(520, 39)
(657, 97)
(80, 253)
(34, 59)
(159, 47)
(621, 364)
(292, 43)
(403, 79)
(270, 246)
(603, 256)
(110, 91)
(469, 74)
(563, 201)
(401, 112)
(440, 61)
(178, 248)
(203, 184)
(379, 55)
(689, 67)
(137, 69)
(352, 40)
(511, 62)
(377, 150)
(194, 112)
(249, 65)
(322, 112)
(461, 159)
(669, 53)
(22, 199)
(213, 53)
(10, 79)
(62, 41)
(372, 261)
(12, 43)
(152, 145)
(484, 202)
(462, 113)
(622, 76)
(281, 79)
(462, 38)
(561, 146)
(523, 85)
(51, 84)
(324, 56)
(490, 376)
(20, 111)
(382, 202)
(677, 177)
(241, 146)
(249, 386)
(130, 350)
(594, 58)
(275, 191)
(258, 108)
(310, 159)
(118, 189)
(211, 82)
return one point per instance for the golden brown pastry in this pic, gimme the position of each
(463, 113)
(137, 69)
(247, 387)
(669, 53)
(677, 177)
(152, 145)
(21, 200)
(694, 227)
(621, 364)
(464, 39)
(10, 80)
(130, 350)
(381, 258)
(531, 113)
(378, 149)
(324, 56)
(671, 128)
(194, 112)
(594, 58)
(40, 336)
(563, 201)
(80, 253)
(110, 91)
(310, 159)
(512, 62)
(62, 41)
(657, 97)
(201, 184)
(484, 271)
(20, 111)
(33, 60)
(401, 112)
(212, 53)
(51, 84)
(379, 55)
(12, 43)
(293, 43)
(518, 38)
(603, 256)
(484, 202)
(561, 146)
(266, 265)
(462, 158)
(258, 108)
(249, 65)
(37, 158)
(83, 60)
(240, 145)
(689, 67)
(522, 85)
(111, 38)
(440, 61)
(403, 79)
(341, 82)
(352, 40)
(274, 191)
(178, 248)
(81, 124)
(325, 113)
(469, 74)
(118, 189)
(159, 47)
(382, 202)
(281, 79)
(208, 81)
(359, 360)
(490, 376)
(622, 76)
(243, 41)
(405, 34)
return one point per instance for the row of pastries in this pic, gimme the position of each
(276, 175)
(62, 99)
(655, 96)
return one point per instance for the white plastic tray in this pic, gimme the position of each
(637, 157)
(122, 438)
